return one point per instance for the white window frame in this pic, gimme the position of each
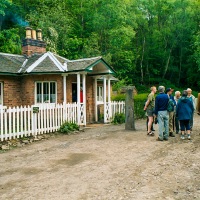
(100, 93)
(1, 93)
(42, 93)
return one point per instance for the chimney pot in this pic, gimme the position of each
(33, 32)
(28, 32)
(39, 34)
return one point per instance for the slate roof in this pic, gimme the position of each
(45, 63)
(10, 63)
(81, 64)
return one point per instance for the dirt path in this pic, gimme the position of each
(103, 163)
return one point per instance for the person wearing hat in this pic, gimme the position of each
(169, 92)
(161, 113)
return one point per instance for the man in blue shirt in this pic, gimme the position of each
(162, 113)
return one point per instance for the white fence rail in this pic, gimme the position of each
(34, 120)
(117, 107)
(21, 121)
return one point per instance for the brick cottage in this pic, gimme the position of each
(38, 77)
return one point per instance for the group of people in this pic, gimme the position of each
(172, 113)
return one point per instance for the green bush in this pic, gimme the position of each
(139, 101)
(68, 127)
(119, 118)
(119, 97)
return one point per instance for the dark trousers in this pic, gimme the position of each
(185, 125)
(177, 124)
(191, 121)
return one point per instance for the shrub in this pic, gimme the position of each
(119, 118)
(139, 101)
(68, 127)
(119, 97)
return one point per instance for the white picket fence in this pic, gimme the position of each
(117, 107)
(25, 121)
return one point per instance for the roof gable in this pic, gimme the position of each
(49, 61)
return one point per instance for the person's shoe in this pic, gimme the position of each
(166, 139)
(171, 134)
(158, 139)
(150, 133)
(189, 137)
(152, 129)
(182, 137)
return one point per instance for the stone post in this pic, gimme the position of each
(129, 109)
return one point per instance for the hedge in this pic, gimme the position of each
(139, 101)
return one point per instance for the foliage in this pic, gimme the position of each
(146, 42)
(139, 101)
(118, 85)
(68, 127)
(10, 41)
(118, 97)
(119, 118)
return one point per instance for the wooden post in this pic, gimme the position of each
(129, 109)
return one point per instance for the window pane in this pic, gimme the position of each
(52, 92)
(39, 92)
(99, 93)
(46, 92)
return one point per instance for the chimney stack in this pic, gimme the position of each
(33, 33)
(28, 32)
(39, 34)
(32, 44)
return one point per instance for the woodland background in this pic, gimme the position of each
(147, 42)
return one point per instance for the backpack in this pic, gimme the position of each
(170, 105)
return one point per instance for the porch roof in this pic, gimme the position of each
(51, 63)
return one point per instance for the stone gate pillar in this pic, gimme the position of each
(129, 109)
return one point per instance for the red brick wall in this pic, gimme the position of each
(90, 99)
(28, 87)
(11, 90)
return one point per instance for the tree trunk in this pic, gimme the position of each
(1, 21)
(141, 63)
(167, 64)
(180, 67)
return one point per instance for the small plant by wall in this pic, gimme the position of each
(119, 118)
(68, 127)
